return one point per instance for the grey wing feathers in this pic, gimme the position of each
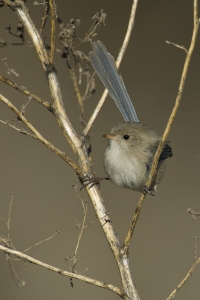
(105, 66)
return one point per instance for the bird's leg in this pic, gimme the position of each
(85, 181)
(148, 190)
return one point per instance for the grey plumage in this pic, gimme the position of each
(129, 155)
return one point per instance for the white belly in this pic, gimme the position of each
(125, 170)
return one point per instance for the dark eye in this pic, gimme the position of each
(126, 137)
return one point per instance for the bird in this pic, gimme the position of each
(132, 145)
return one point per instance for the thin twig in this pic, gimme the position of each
(77, 93)
(8, 243)
(9, 215)
(89, 280)
(98, 19)
(88, 86)
(37, 244)
(195, 248)
(189, 273)
(53, 30)
(10, 71)
(81, 228)
(14, 274)
(26, 92)
(177, 46)
(193, 213)
(85, 209)
(118, 62)
(19, 129)
(44, 17)
(168, 127)
(5, 44)
(39, 136)
(3, 220)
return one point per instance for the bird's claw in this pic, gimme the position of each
(148, 190)
(91, 181)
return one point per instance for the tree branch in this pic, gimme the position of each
(189, 273)
(39, 136)
(44, 17)
(53, 30)
(89, 280)
(19, 129)
(80, 150)
(168, 127)
(24, 91)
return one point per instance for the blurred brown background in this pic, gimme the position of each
(162, 248)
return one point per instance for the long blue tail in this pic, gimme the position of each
(105, 66)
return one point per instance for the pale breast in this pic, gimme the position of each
(125, 169)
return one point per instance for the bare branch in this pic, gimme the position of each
(14, 274)
(54, 86)
(118, 62)
(26, 92)
(177, 46)
(81, 228)
(195, 248)
(85, 209)
(98, 19)
(168, 127)
(45, 240)
(39, 136)
(77, 92)
(193, 213)
(89, 87)
(101, 284)
(78, 146)
(19, 129)
(45, 16)
(8, 243)
(10, 71)
(9, 214)
(53, 30)
(189, 273)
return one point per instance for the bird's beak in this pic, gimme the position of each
(109, 136)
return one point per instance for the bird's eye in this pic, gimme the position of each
(126, 137)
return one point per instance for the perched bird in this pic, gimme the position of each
(129, 155)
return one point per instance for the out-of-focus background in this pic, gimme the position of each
(163, 244)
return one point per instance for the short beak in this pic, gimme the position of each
(109, 136)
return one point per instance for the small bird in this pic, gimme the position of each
(129, 155)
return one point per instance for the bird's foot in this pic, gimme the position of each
(91, 181)
(148, 190)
